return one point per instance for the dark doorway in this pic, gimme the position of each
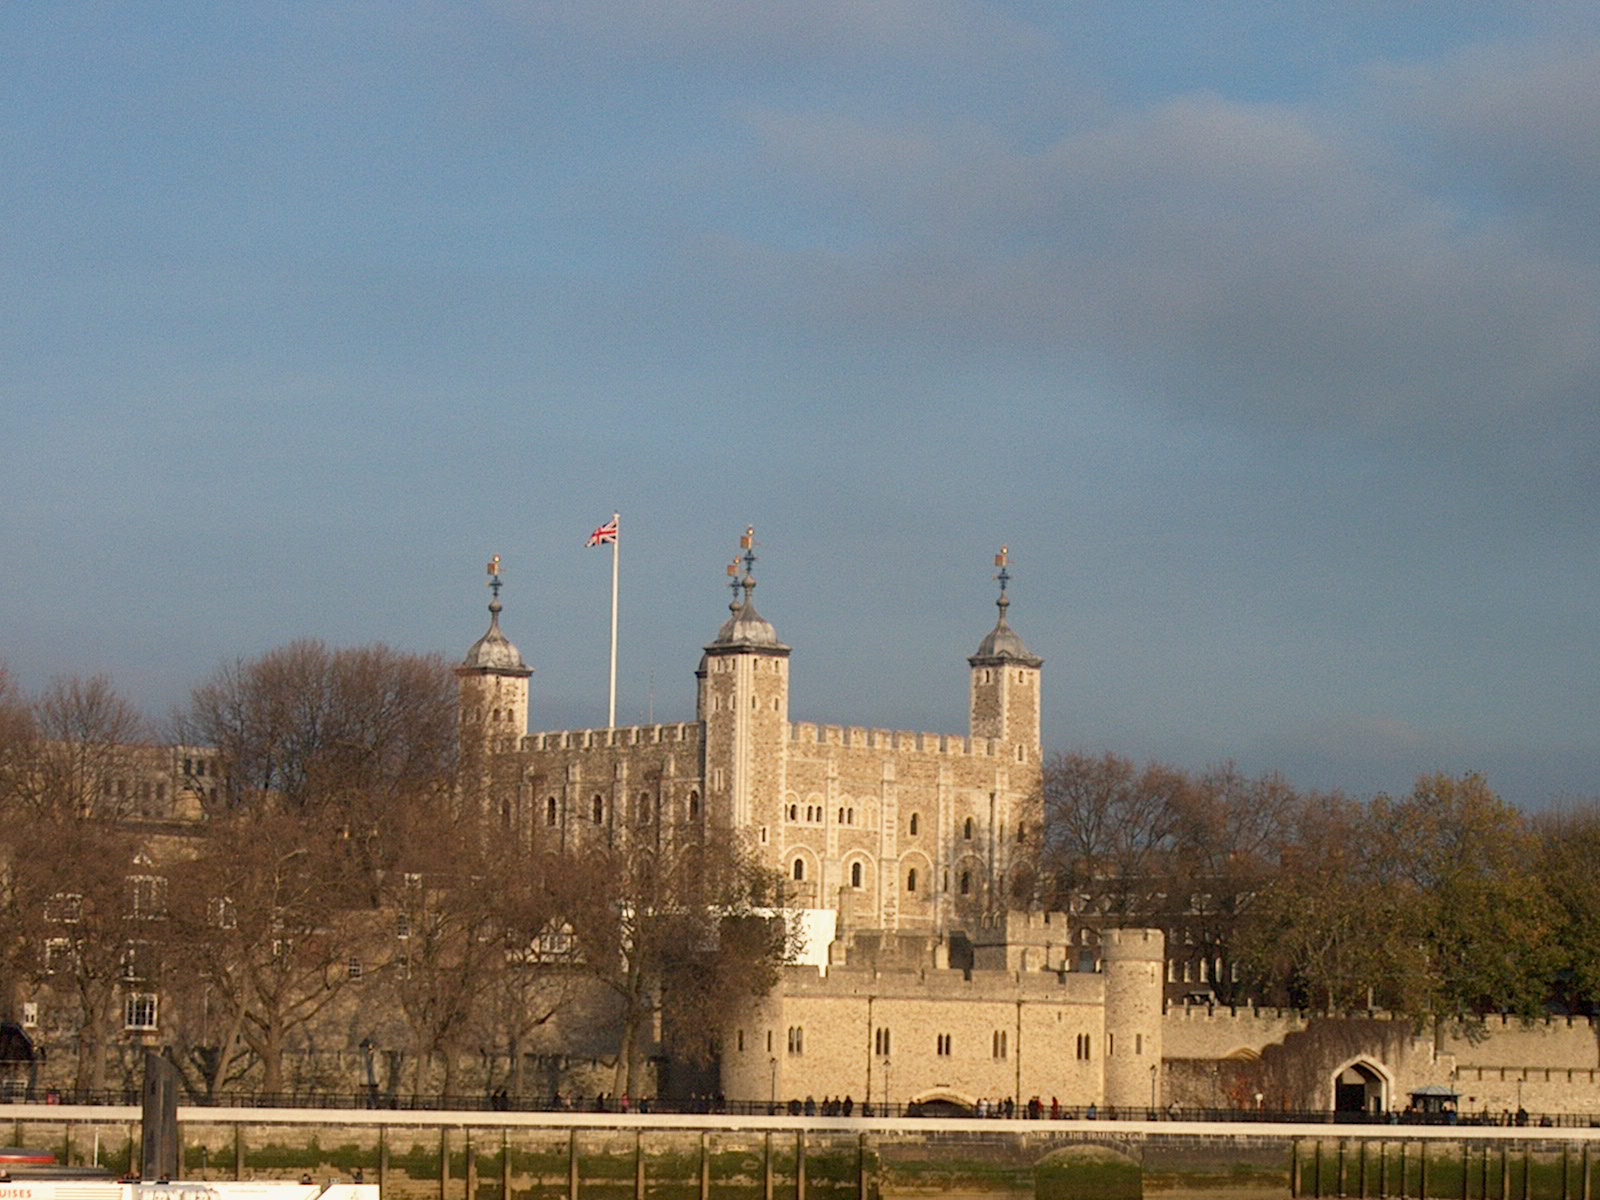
(1358, 1089)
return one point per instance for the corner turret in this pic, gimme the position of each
(1005, 683)
(744, 708)
(493, 685)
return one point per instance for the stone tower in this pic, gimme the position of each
(744, 709)
(1133, 961)
(1005, 684)
(1005, 713)
(493, 683)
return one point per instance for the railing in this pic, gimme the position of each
(809, 1107)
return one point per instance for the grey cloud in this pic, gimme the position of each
(1248, 263)
(1515, 129)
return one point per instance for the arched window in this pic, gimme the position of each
(794, 812)
(966, 883)
(966, 830)
(1022, 833)
(599, 807)
(550, 810)
(694, 806)
(841, 816)
(916, 823)
(911, 880)
(855, 874)
(799, 870)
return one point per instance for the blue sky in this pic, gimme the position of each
(1265, 334)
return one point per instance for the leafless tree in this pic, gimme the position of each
(267, 916)
(350, 731)
(673, 931)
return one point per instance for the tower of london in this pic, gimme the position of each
(909, 851)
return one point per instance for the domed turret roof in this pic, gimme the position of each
(747, 627)
(494, 651)
(1004, 644)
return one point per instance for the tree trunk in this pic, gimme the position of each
(621, 1080)
(271, 1051)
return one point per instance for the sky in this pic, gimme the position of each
(1263, 334)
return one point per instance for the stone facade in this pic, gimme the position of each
(915, 831)
(938, 984)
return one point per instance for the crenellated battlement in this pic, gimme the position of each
(682, 733)
(947, 745)
(935, 983)
(1215, 1013)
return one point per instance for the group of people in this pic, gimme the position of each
(831, 1106)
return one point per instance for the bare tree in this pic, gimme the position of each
(674, 932)
(1109, 828)
(446, 897)
(87, 909)
(1230, 836)
(267, 916)
(85, 732)
(351, 731)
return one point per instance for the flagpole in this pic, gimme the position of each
(611, 718)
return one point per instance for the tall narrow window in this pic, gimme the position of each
(550, 810)
(916, 822)
(799, 869)
(880, 1042)
(966, 883)
(966, 829)
(855, 874)
(942, 1045)
(911, 880)
(999, 1043)
(599, 805)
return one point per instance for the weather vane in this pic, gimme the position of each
(494, 576)
(1001, 560)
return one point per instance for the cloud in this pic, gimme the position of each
(1256, 264)
(1514, 128)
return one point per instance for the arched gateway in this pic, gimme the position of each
(1360, 1087)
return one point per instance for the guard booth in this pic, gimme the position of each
(1435, 1105)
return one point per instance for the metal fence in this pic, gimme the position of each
(1000, 1110)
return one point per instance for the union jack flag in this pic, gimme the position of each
(607, 533)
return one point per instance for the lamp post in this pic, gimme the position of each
(772, 1103)
(1154, 1069)
(886, 1110)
